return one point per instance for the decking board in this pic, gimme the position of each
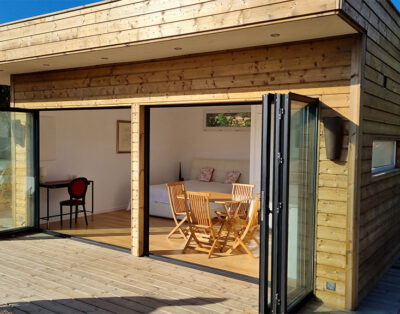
(64, 275)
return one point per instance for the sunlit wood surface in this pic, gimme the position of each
(114, 228)
(44, 274)
(111, 228)
(238, 262)
(383, 299)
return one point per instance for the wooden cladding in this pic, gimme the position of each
(127, 22)
(317, 68)
(379, 236)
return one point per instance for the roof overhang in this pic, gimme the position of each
(303, 28)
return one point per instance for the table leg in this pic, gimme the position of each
(92, 197)
(48, 207)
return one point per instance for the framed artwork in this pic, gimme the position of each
(123, 137)
(227, 120)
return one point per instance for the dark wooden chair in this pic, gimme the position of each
(77, 197)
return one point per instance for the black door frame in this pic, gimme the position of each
(146, 223)
(280, 147)
(35, 135)
(281, 157)
(265, 211)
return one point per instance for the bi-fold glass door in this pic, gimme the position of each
(18, 170)
(289, 156)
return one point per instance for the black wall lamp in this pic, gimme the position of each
(333, 127)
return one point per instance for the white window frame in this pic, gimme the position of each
(385, 168)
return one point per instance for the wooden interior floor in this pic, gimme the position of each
(111, 228)
(114, 228)
(238, 262)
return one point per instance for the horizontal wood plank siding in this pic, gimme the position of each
(318, 69)
(379, 238)
(128, 22)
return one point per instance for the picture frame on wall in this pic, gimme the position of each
(123, 136)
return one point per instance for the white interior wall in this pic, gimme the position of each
(83, 143)
(177, 135)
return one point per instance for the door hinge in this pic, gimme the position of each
(277, 299)
(279, 208)
(281, 112)
(279, 158)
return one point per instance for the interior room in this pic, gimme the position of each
(94, 144)
(184, 143)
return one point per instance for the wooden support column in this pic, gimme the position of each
(137, 156)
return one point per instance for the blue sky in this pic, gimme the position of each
(12, 10)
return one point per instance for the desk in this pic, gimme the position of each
(58, 185)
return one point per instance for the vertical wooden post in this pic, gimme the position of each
(137, 161)
(354, 177)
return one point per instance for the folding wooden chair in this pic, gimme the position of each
(248, 230)
(201, 223)
(178, 207)
(244, 194)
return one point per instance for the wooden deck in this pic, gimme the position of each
(44, 274)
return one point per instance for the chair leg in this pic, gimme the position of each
(61, 214)
(84, 212)
(187, 243)
(76, 214)
(228, 232)
(178, 228)
(213, 247)
(70, 216)
(245, 248)
(234, 247)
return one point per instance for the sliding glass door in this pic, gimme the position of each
(288, 189)
(18, 170)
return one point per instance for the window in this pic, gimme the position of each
(385, 155)
(224, 120)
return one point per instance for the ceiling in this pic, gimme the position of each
(258, 35)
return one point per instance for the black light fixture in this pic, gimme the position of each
(333, 129)
(4, 96)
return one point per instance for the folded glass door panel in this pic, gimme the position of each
(18, 170)
(293, 199)
(301, 198)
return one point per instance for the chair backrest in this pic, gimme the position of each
(174, 190)
(199, 204)
(78, 187)
(242, 192)
(254, 211)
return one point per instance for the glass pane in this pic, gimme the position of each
(383, 154)
(303, 137)
(17, 183)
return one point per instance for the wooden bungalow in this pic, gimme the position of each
(141, 53)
